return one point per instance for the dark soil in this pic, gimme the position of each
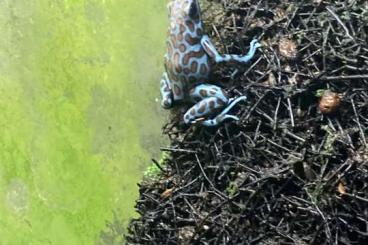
(285, 173)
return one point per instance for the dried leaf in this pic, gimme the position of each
(167, 193)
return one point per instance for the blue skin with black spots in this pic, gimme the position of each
(188, 64)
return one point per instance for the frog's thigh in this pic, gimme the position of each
(166, 92)
(203, 108)
(203, 91)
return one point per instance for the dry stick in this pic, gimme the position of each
(264, 114)
(221, 39)
(230, 140)
(187, 185)
(340, 22)
(177, 150)
(325, 39)
(310, 15)
(279, 146)
(276, 113)
(328, 231)
(250, 15)
(342, 132)
(174, 213)
(199, 226)
(357, 197)
(337, 171)
(194, 211)
(294, 136)
(256, 134)
(358, 122)
(312, 54)
(291, 112)
(282, 234)
(252, 66)
(254, 106)
(292, 17)
(208, 180)
(158, 165)
(248, 168)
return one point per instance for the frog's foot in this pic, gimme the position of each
(166, 92)
(223, 115)
(210, 99)
(202, 109)
(254, 44)
(212, 52)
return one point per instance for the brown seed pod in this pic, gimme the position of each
(280, 14)
(288, 49)
(257, 23)
(341, 188)
(329, 102)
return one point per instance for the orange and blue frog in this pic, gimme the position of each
(188, 65)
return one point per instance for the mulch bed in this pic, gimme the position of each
(294, 168)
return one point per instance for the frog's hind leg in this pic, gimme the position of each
(166, 92)
(212, 52)
(223, 115)
(210, 99)
(202, 109)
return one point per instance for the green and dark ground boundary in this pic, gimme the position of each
(294, 169)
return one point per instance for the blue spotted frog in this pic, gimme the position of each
(187, 65)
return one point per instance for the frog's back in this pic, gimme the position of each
(186, 61)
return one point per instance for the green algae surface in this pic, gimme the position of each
(79, 120)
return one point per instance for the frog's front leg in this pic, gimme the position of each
(166, 92)
(210, 99)
(212, 52)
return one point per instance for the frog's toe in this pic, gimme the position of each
(166, 103)
(219, 119)
(188, 119)
(254, 41)
(235, 118)
(222, 118)
(255, 44)
(224, 114)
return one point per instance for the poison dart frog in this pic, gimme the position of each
(188, 65)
